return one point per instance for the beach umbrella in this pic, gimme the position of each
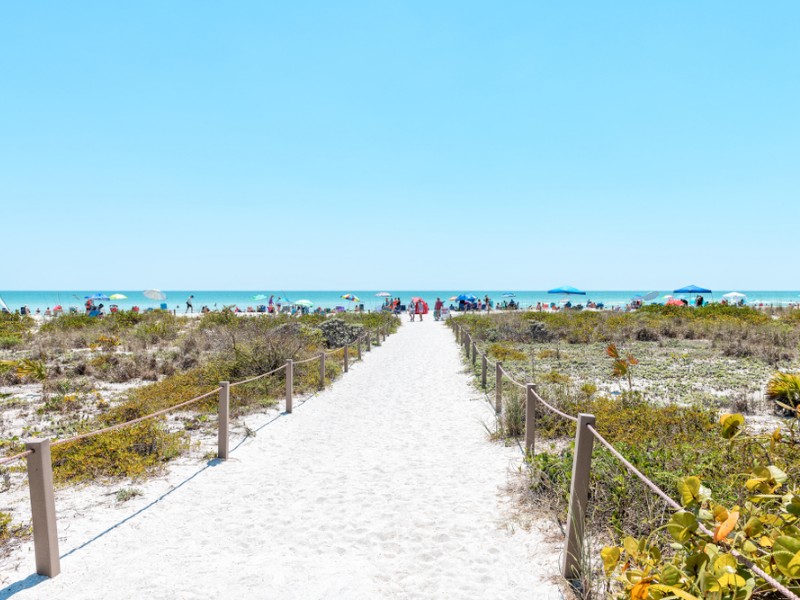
(674, 302)
(98, 296)
(466, 298)
(351, 297)
(734, 295)
(306, 303)
(383, 295)
(509, 295)
(259, 297)
(453, 298)
(117, 297)
(4, 306)
(692, 289)
(154, 294)
(567, 290)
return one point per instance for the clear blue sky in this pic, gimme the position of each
(406, 145)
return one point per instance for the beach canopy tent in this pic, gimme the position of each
(567, 290)
(692, 289)
(417, 300)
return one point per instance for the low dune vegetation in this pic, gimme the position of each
(75, 374)
(705, 398)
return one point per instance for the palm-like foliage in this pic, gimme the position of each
(34, 370)
(784, 390)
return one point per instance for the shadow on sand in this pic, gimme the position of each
(34, 579)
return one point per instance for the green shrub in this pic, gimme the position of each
(505, 353)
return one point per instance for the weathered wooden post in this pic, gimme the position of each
(468, 344)
(358, 347)
(474, 352)
(458, 333)
(498, 387)
(322, 370)
(346, 358)
(43, 507)
(578, 497)
(530, 417)
(484, 365)
(223, 415)
(289, 384)
(368, 339)
(377, 337)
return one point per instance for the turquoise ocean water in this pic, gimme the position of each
(332, 298)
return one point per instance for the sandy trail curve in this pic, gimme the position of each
(383, 486)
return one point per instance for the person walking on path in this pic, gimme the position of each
(437, 309)
(189, 306)
(411, 310)
(420, 308)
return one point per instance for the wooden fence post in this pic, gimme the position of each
(458, 334)
(43, 508)
(223, 415)
(346, 358)
(467, 345)
(322, 370)
(530, 418)
(578, 497)
(498, 387)
(484, 364)
(369, 342)
(289, 384)
(378, 337)
(358, 348)
(474, 352)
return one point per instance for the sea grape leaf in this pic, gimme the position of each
(731, 424)
(692, 491)
(723, 529)
(786, 553)
(682, 525)
(610, 556)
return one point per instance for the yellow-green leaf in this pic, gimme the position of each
(682, 525)
(677, 592)
(610, 556)
(731, 424)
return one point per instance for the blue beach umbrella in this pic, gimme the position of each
(466, 298)
(509, 295)
(567, 290)
(692, 289)
(98, 296)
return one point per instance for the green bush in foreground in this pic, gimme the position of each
(700, 564)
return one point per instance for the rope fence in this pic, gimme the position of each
(39, 461)
(585, 434)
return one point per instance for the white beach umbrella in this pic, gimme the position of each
(154, 294)
(384, 295)
(734, 295)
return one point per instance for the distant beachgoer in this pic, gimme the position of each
(189, 305)
(420, 309)
(411, 310)
(437, 309)
(89, 305)
(539, 306)
(488, 305)
(47, 312)
(699, 301)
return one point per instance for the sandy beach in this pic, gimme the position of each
(383, 486)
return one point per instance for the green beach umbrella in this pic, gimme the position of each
(306, 303)
(118, 297)
(259, 297)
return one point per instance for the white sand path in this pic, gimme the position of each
(383, 486)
